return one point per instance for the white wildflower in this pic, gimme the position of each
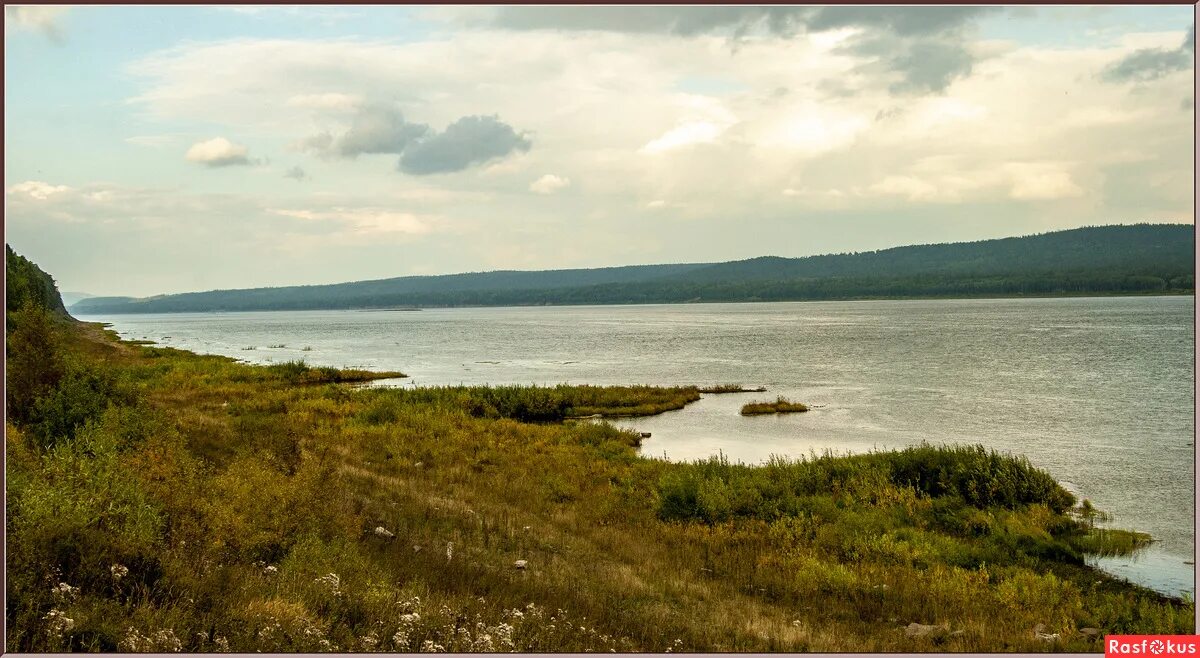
(449, 551)
(270, 570)
(65, 592)
(369, 641)
(134, 642)
(58, 623)
(118, 571)
(409, 618)
(520, 564)
(222, 644)
(331, 581)
(504, 634)
(165, 640)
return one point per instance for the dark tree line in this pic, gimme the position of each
(1141, 258)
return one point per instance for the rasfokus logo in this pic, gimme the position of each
(1151, 645)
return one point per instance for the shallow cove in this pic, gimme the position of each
(1097, 391)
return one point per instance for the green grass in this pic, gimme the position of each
(1109, 542)
(781, 405)
(191, 502)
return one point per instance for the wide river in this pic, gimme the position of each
(1097, 391)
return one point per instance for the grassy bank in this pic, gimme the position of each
(162, 500)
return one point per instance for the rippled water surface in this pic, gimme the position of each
(1097, 391)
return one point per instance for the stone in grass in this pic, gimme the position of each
(1040, 633)
(381, 531)
(520, 564)
(921, 630)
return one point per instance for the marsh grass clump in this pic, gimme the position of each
(781, 405)
(1112, 542)
(299, 372)
(731, 388)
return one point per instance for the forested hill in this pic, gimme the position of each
(26, 283)
(1094, 260)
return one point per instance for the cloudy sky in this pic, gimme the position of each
(164, 149)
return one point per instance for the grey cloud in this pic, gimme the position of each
(230, 161)
(468, 141)
(779, 20)
(930, 66)
(375, 129)
(925, 65)
(889, 113)
(1150, 64)
(924, 45)
(296, 173)
(902, 21)
(670, 20)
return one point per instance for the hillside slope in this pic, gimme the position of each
(28, 284)
(1093, 260)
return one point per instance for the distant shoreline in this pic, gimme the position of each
(1087, 295)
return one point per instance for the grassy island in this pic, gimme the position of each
(160, 500)
(781, 405)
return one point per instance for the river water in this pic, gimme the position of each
(1099, 392)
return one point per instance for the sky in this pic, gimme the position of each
(152, 150)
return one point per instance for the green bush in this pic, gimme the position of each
(34, 364)
(82, 394)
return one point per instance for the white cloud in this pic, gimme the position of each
(549, 184)
(218, 152)
(1040, 181)
(811, 129)
(328, 101)
(39, 18)
(365, 221)
(37, 189)
(912, 188)
(795, 113)
(691, 132)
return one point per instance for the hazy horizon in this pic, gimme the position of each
(156, 150)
